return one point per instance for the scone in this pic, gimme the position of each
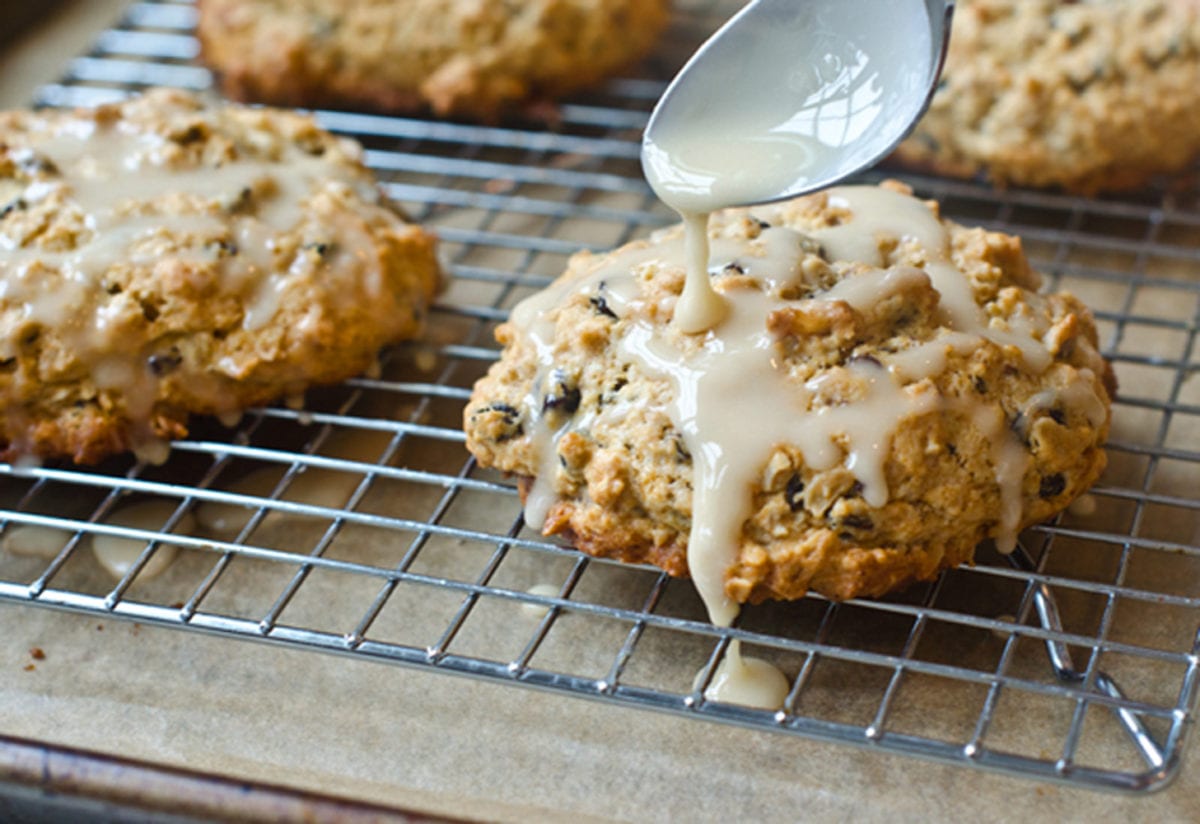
(1086, 96)
(163, 256)
(458, 57)
(887, 391)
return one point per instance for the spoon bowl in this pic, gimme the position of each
(792, 96)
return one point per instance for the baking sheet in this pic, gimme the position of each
(448, 745)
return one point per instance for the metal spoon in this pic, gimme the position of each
(791, 96)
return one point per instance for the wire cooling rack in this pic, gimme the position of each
(356, 523)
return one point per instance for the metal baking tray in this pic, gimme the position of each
(357, 524)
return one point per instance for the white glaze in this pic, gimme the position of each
(117, 555)
(700, 307)
(806, 94)
(731, 402)
(1079, 395)
(733, 406)
(544, 590)
(1002, 634)
(35, 541)
(141, 204)
(929, 358)
(746, 680)
(314, 486)
(884, 213)
(425, 359)
(1010, 459)
(1084, 506)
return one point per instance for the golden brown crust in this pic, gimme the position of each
(1087, 96)
(456, 57)
(624, 478)
(235, 256)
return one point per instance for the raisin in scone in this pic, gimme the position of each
(163, 256)
(456, 57)
(1086, 96)
(887, 390)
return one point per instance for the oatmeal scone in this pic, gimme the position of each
(888, 391)
(1087, 96)
(164, 256)
(456, 57)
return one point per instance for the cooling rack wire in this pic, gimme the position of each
(357, 524)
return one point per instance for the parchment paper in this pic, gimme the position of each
(453, 746)
(442, 744)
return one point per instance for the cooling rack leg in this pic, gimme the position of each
(1064, 667)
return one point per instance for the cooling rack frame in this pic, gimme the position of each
(512, 191)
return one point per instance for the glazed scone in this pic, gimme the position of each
(1086, 96)
(164, 256)
(457, 57)
(888, 391)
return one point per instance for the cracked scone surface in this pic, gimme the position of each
(619, 465)
(456, 57)
(164, 256)
(1086, 96)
